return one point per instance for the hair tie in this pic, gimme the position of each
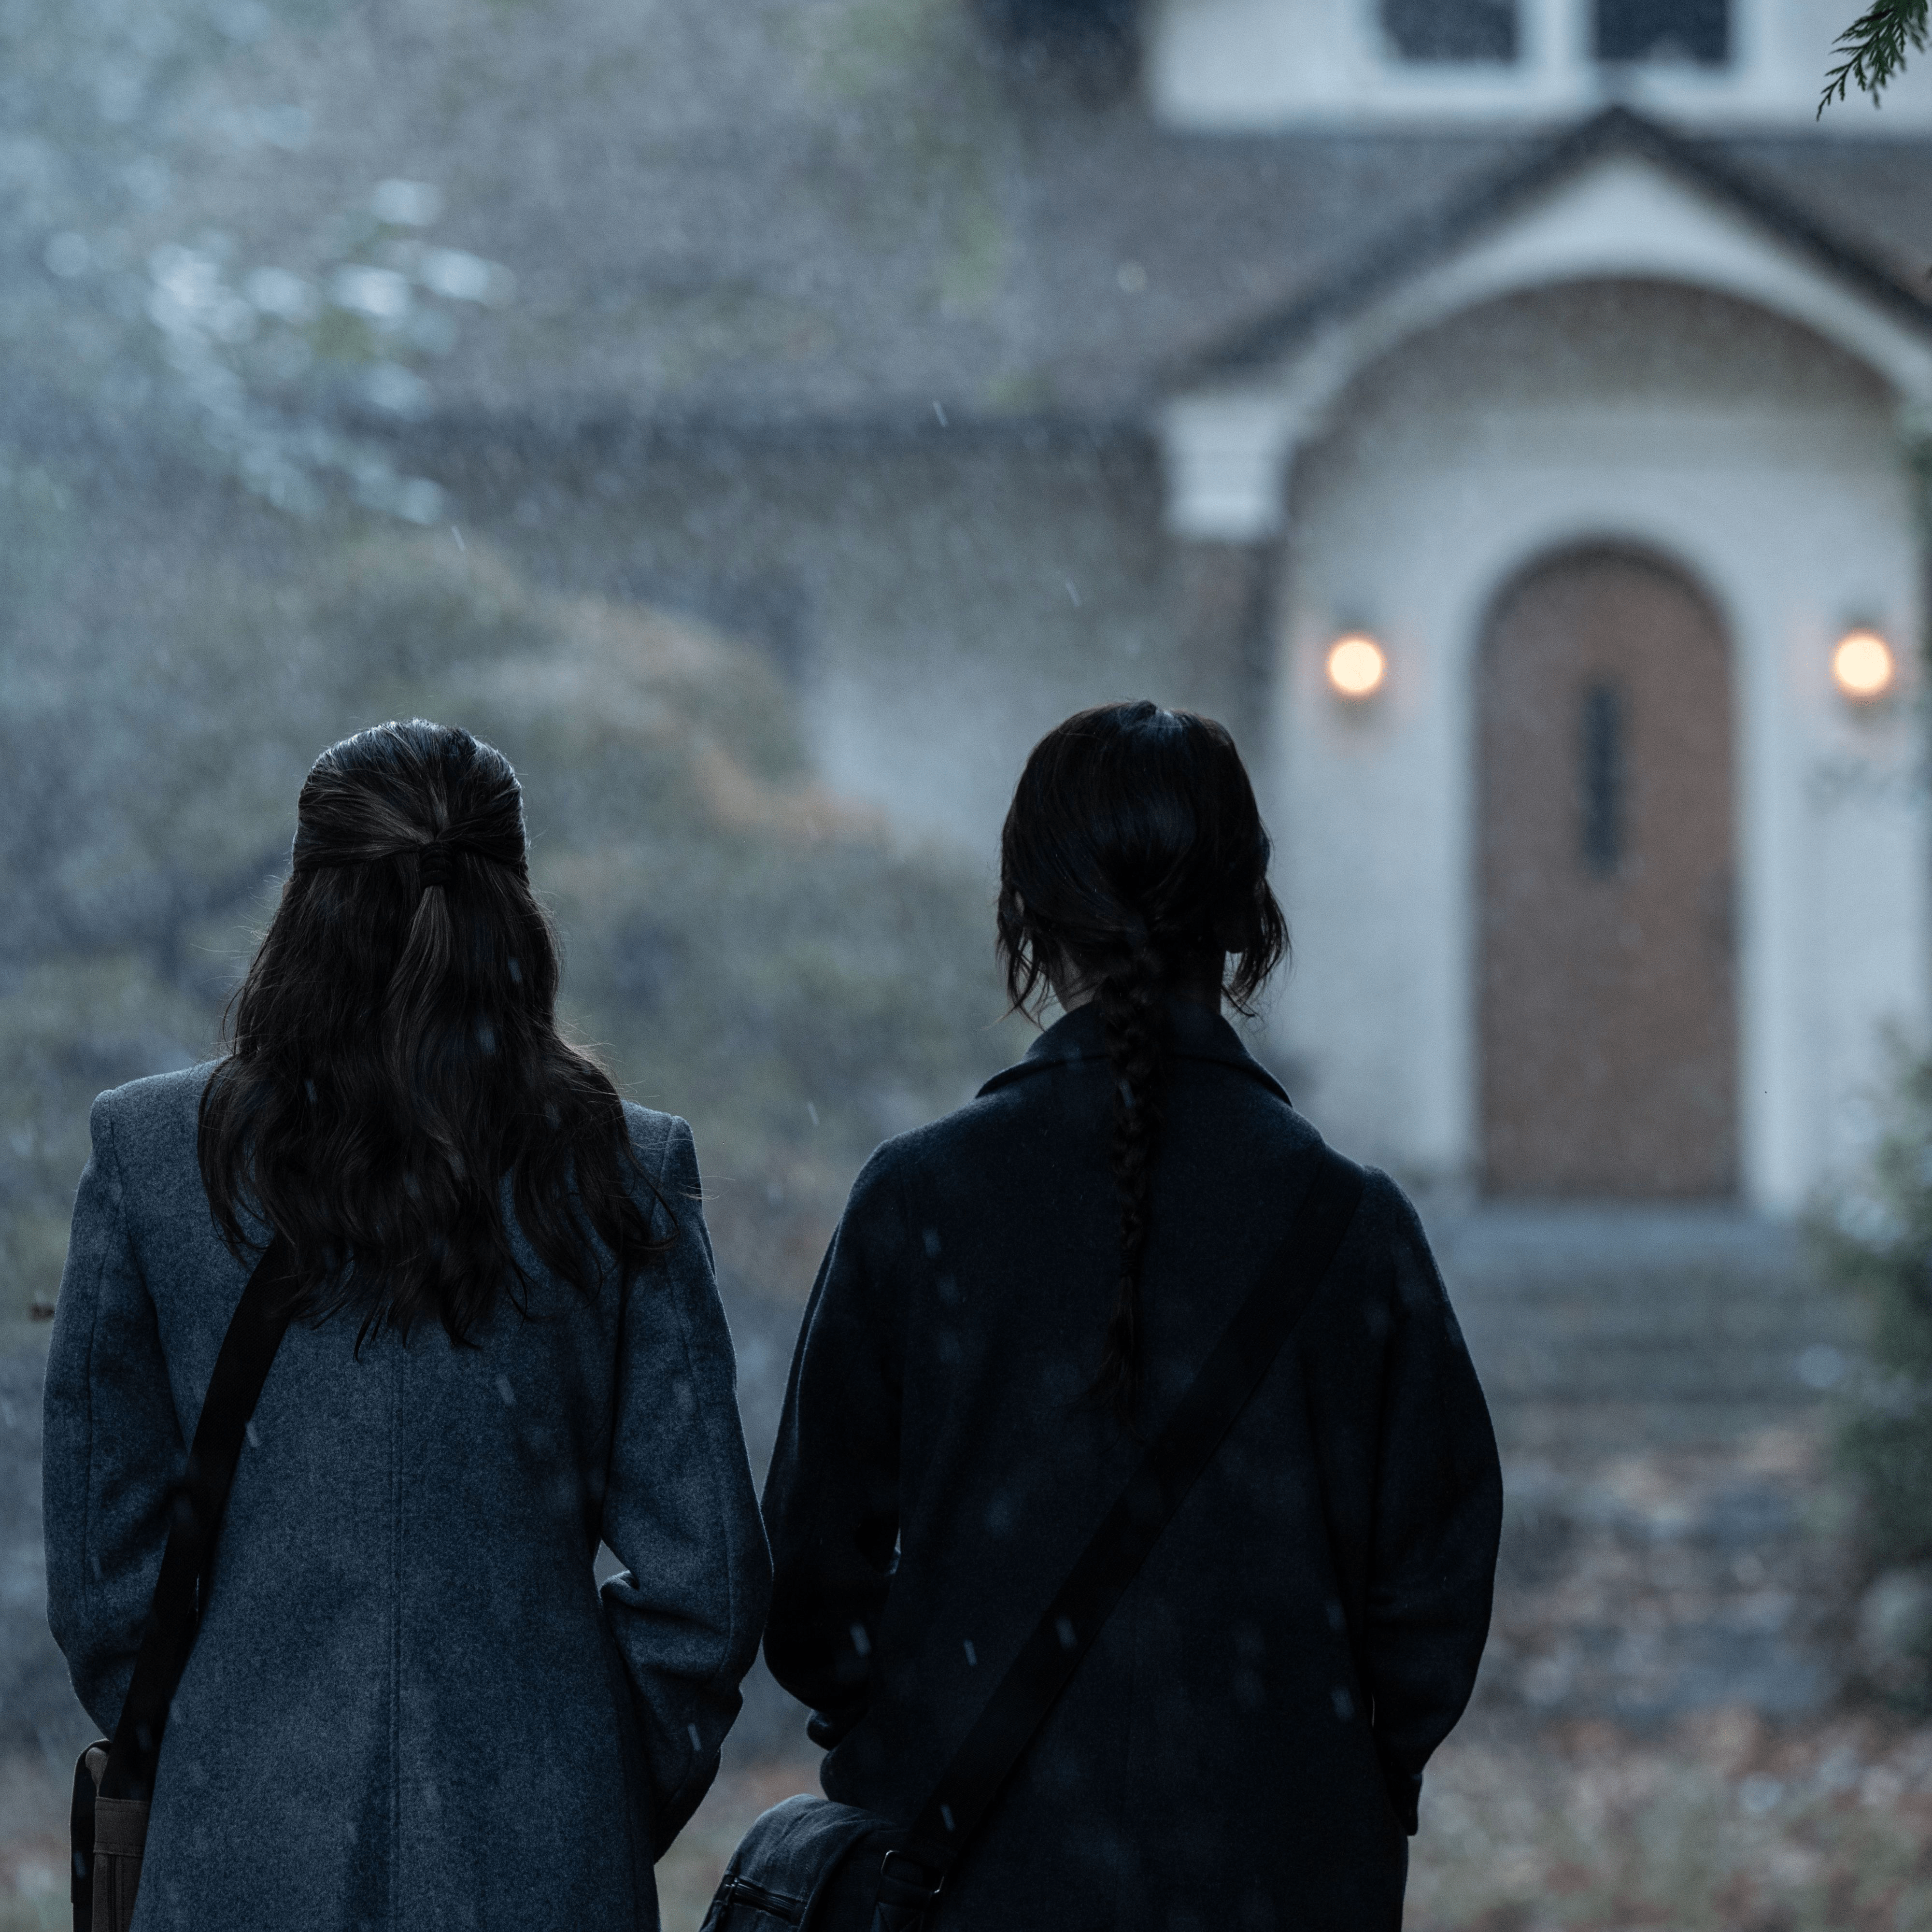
(433, 857)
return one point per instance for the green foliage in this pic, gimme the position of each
(56, 1061)
(126, 307)
(1879, 1245)
(741, 948)
(1873, 49)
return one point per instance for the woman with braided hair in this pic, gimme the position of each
(1016, 1303)
(408, 1703)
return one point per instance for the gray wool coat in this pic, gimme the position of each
(409, 1705)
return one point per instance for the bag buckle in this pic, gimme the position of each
(916, 1878)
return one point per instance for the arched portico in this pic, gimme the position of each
(1763, 461)
(1619, 201)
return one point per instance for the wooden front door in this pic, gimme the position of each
(1609, 1033)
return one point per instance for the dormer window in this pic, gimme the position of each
(1712, 67)
(1453, 30)
(1695, 33)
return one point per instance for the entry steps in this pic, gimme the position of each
(1659, 1378)
(1608, 1326)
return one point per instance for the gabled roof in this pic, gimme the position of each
(735, 218)
(1408, 251)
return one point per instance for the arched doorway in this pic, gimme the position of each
(1608, 1025)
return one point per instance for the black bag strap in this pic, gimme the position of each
(255, 1332)
(1114, 1555)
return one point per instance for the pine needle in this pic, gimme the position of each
(1874, 49)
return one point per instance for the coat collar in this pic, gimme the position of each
(1194, 1033)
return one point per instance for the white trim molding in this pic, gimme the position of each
(1228, 440)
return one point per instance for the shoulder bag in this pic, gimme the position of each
(812, 1865)
(114, 1781)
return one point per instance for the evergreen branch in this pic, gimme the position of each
(1874, 49)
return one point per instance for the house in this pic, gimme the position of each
(1609, 887)
(1551, 355)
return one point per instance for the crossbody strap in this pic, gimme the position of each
(1114, 1555)
(254, 1333)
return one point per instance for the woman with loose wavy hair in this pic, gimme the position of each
(409, 1702)
(1014, 1301)
(393, 1055)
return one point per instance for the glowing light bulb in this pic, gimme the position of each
(1862, 666)
(1357, 666)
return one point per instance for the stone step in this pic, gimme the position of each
(1652, 1325)
(1624, 1237)
(1742, 1311)
(1683, 1300)
(1571, 1426)
(1590, 1368)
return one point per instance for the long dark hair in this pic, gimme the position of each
(1134, 860)
(393, 1055)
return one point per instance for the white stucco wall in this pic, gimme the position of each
(1765, 463)
(1224, 65)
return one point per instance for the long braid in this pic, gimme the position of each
(1129, 996)
(1133, 863)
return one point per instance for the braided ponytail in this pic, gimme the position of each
(1132, 1021)
(1134, 860)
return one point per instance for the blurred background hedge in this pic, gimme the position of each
(741, 948)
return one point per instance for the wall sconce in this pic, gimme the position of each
(1863, 666)
(1357, 667)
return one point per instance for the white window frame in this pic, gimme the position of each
(1260, 64)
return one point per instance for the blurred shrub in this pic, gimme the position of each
(1877, 1243)
(742, 947)
(68, 1028)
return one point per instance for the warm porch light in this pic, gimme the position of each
(1862, 667)
(1357, 666)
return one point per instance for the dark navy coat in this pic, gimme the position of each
(409, 1707)
(1243, 1747)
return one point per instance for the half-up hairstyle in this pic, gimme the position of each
(1134, 860)
(393, 1056)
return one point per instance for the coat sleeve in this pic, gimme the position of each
(111, 1444)
(680, 1513)
(831, 1498)
(1437, 1509)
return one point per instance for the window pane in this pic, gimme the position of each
(1602, 790)
(1450, 30)
(1664, 30)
